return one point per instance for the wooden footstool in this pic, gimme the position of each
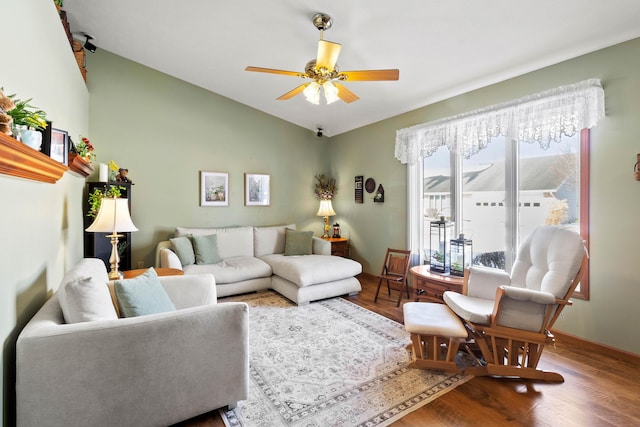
(436, 333)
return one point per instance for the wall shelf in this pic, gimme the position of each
(79, 166)
(18, 159)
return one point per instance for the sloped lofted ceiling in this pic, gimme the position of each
(442, 48)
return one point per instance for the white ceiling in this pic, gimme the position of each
(442, 48)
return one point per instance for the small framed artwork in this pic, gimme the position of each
(214, 188)
(55, 144)
(256, 189)
(359, 195)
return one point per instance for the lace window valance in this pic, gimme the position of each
(543, 117)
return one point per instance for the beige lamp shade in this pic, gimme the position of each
(113, 217)
(326, 209)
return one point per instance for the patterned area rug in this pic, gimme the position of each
(329, 363)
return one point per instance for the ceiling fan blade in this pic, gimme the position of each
(272, 71)
(293, 92)
(345, 94)
(327, 54)
(371, 75)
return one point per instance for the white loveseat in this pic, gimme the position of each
(152, 370)
(253, 259)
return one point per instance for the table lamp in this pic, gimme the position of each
(326, 210)
(113, 217)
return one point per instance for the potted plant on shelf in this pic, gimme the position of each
(58, 4)
(27, 120)
(81, 156)
(95, 198)
(84, 149)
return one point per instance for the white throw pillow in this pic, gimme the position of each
(86, 299)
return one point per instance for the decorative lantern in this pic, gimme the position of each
(461, 255)
(439, 241)
(336, 230)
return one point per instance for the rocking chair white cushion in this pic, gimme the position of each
(545, 266)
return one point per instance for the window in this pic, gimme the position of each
(505, 191)
(501, 170)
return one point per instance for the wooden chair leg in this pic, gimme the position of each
(399, 297)
(378, 290)
(403, 289)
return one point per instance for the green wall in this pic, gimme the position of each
(166, 131)
(42, 223)
(611, 315)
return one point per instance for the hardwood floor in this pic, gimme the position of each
(598, 389)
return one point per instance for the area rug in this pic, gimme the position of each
(329, 363)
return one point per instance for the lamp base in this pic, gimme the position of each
(116, 275)
(326, 227)
(114, 259)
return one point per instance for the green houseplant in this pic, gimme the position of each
(95, 198)
(27, 120)
(27, 115)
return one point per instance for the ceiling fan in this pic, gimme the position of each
(324, 73)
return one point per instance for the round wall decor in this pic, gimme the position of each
(370, 185)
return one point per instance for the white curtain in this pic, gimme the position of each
(541, 118)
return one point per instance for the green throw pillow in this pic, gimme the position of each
(206, 249)
(184, 249)
(142, 295)
(298, 242)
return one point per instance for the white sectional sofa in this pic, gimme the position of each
(253, 259)
(78, 364)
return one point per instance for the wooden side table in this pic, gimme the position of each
(339, 246)
(431, 286)
(161, 271)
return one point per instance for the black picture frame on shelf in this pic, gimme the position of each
(55, 144)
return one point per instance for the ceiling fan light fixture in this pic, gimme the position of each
(330, 92)
(312, 93)
(324, 73)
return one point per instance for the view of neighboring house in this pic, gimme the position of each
(548, 194)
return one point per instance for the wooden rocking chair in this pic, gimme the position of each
(510, 316)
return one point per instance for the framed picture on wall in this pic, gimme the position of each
(214, 188)
(256, 189)
(359, 195)
(55, 144)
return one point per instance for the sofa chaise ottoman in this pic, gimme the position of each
(256, 259)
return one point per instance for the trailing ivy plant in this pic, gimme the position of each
(95, 198)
